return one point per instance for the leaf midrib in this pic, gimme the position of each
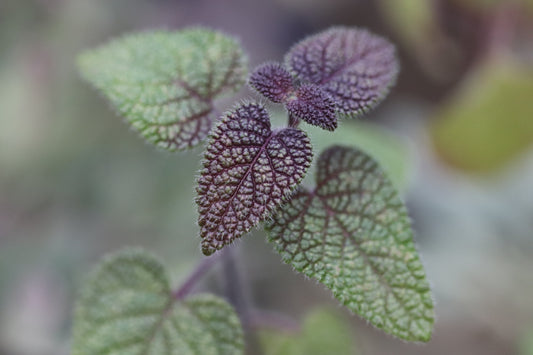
(383, 283)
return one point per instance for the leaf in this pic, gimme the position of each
(307, 102)
(353, 235)
(164, 83)
(127, 308)
(355, 67)
(324, 332)
(273, 81)
(248, 171)
(311, 104)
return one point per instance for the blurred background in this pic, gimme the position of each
(456, 132)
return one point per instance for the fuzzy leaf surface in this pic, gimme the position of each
(354, 66)
(273, 81)
(127, 308)
(165, 83)
(313, 105)
(248, 171)
(352, 233)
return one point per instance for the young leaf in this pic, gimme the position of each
(308, 102)
(248, 171)
(313, 105)
(164, 83)
(273, 81)
(354, 66)
(352, 234)
(127, 308)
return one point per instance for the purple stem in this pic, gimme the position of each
(273, 320)
(203, 267)
(293, 121)
(238, 296)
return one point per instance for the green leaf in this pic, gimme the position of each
(127, 308)
(352, 233)
(323, 332)
(164, 83)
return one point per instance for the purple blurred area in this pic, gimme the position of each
(76, 183)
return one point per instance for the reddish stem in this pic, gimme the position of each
(273, 320)
(203, 267)
(293, 121)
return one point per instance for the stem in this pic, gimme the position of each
(293, 121)
(201, 269)
(273, 320)
(238, 296)
(234, 285)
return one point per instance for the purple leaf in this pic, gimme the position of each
(273, 81)
(311, 104)
(248, 171)
(353, 65)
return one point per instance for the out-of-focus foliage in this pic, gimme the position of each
(416, 24)
(323, 331)
(412, 19)
(127, 307)
(526, 345)
(165, 83)
(493, 5)
(352, 234)
(489, 121)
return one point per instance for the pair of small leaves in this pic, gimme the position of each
(127, 308)
(344, 70)
(307, 102)
(165, 83)
(352, 233)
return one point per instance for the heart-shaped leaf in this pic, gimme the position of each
(354, 66)
(127, 308)
(248, 171)
(352, 233)
(164, 83)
